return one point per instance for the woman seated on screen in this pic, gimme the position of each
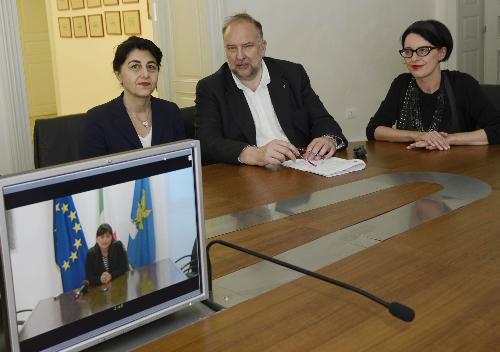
(107, 259)
(135, 119)
(431, 108)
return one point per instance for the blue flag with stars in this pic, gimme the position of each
(141, 242)
(70, 246)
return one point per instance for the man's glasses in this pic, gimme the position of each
(302, 152)
(421, 51)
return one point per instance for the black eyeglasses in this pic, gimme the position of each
(421, 51)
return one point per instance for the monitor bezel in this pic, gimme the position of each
(8, 296)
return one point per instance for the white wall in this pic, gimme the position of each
(31, 230)
(348, 47)
(446, 12)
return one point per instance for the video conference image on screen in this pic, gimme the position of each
(103, 254)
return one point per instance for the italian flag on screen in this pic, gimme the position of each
(102, 213)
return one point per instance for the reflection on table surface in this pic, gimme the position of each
(52, 313)
(445, 268)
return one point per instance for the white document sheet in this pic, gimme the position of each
(329, 167)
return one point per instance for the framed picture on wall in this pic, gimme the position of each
(65, 27)
(80, 27)
(129, 1)
(113, 22)
(77, 4)
(131, 22)
(93, 3)
(96, 28)
(110, 2)
(62, 5)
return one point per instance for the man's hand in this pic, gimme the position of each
(320, 148)
(274, 152)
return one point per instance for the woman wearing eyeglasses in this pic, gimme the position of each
(432, 108)
(135, 119)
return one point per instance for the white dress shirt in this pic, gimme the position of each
(267, 126)
(146, 140)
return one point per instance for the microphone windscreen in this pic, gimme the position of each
(401, 311)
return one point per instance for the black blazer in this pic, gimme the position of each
(225, 123)
(108, 128)
(118, 262)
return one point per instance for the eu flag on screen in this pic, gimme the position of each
(70, 246)
(141, 242)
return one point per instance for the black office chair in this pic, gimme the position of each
(189, 121)
(492, 91)
(57, 140)
(190, 126)
(189, 262)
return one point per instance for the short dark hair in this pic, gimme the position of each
(103, 229)
(434, 32)
(132, 43)
(243, 16)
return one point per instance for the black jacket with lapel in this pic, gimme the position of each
(225, 123)
(108, 128)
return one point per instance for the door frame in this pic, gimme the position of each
(459, 42)
(163, 36)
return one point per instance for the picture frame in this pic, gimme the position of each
(93, 3)
(77, 4)
(63, 5)
(131, 22)
(65, 27)
(129, 1)
(110, 2)
(113, 22)
(80, 27)
(96, 27)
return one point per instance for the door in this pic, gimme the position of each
(470, 42)
(181, 31)
(492, 42)
(37, 58)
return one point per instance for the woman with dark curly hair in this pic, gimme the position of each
(135, 119)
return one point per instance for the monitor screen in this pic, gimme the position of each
(95, 248)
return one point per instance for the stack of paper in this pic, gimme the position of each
(329, 167)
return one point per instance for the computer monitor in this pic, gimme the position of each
(68, 282)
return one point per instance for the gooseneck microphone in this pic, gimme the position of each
(398, 310)
(82, 289)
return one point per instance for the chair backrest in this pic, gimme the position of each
(189, 121)
(492, 91)
(57, 140)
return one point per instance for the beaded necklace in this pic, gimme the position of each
(410, 117)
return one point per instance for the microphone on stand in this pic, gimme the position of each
(82, 289)
(398, 310)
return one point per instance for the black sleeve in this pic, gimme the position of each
(93, 142)
(93, 276)
(389, 110)
(320, 121)
(214, 146)
(119, 265)
(478, 109)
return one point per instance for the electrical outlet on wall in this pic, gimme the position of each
(350, 113)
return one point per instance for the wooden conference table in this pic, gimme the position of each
(447, 269)
(54, 312)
